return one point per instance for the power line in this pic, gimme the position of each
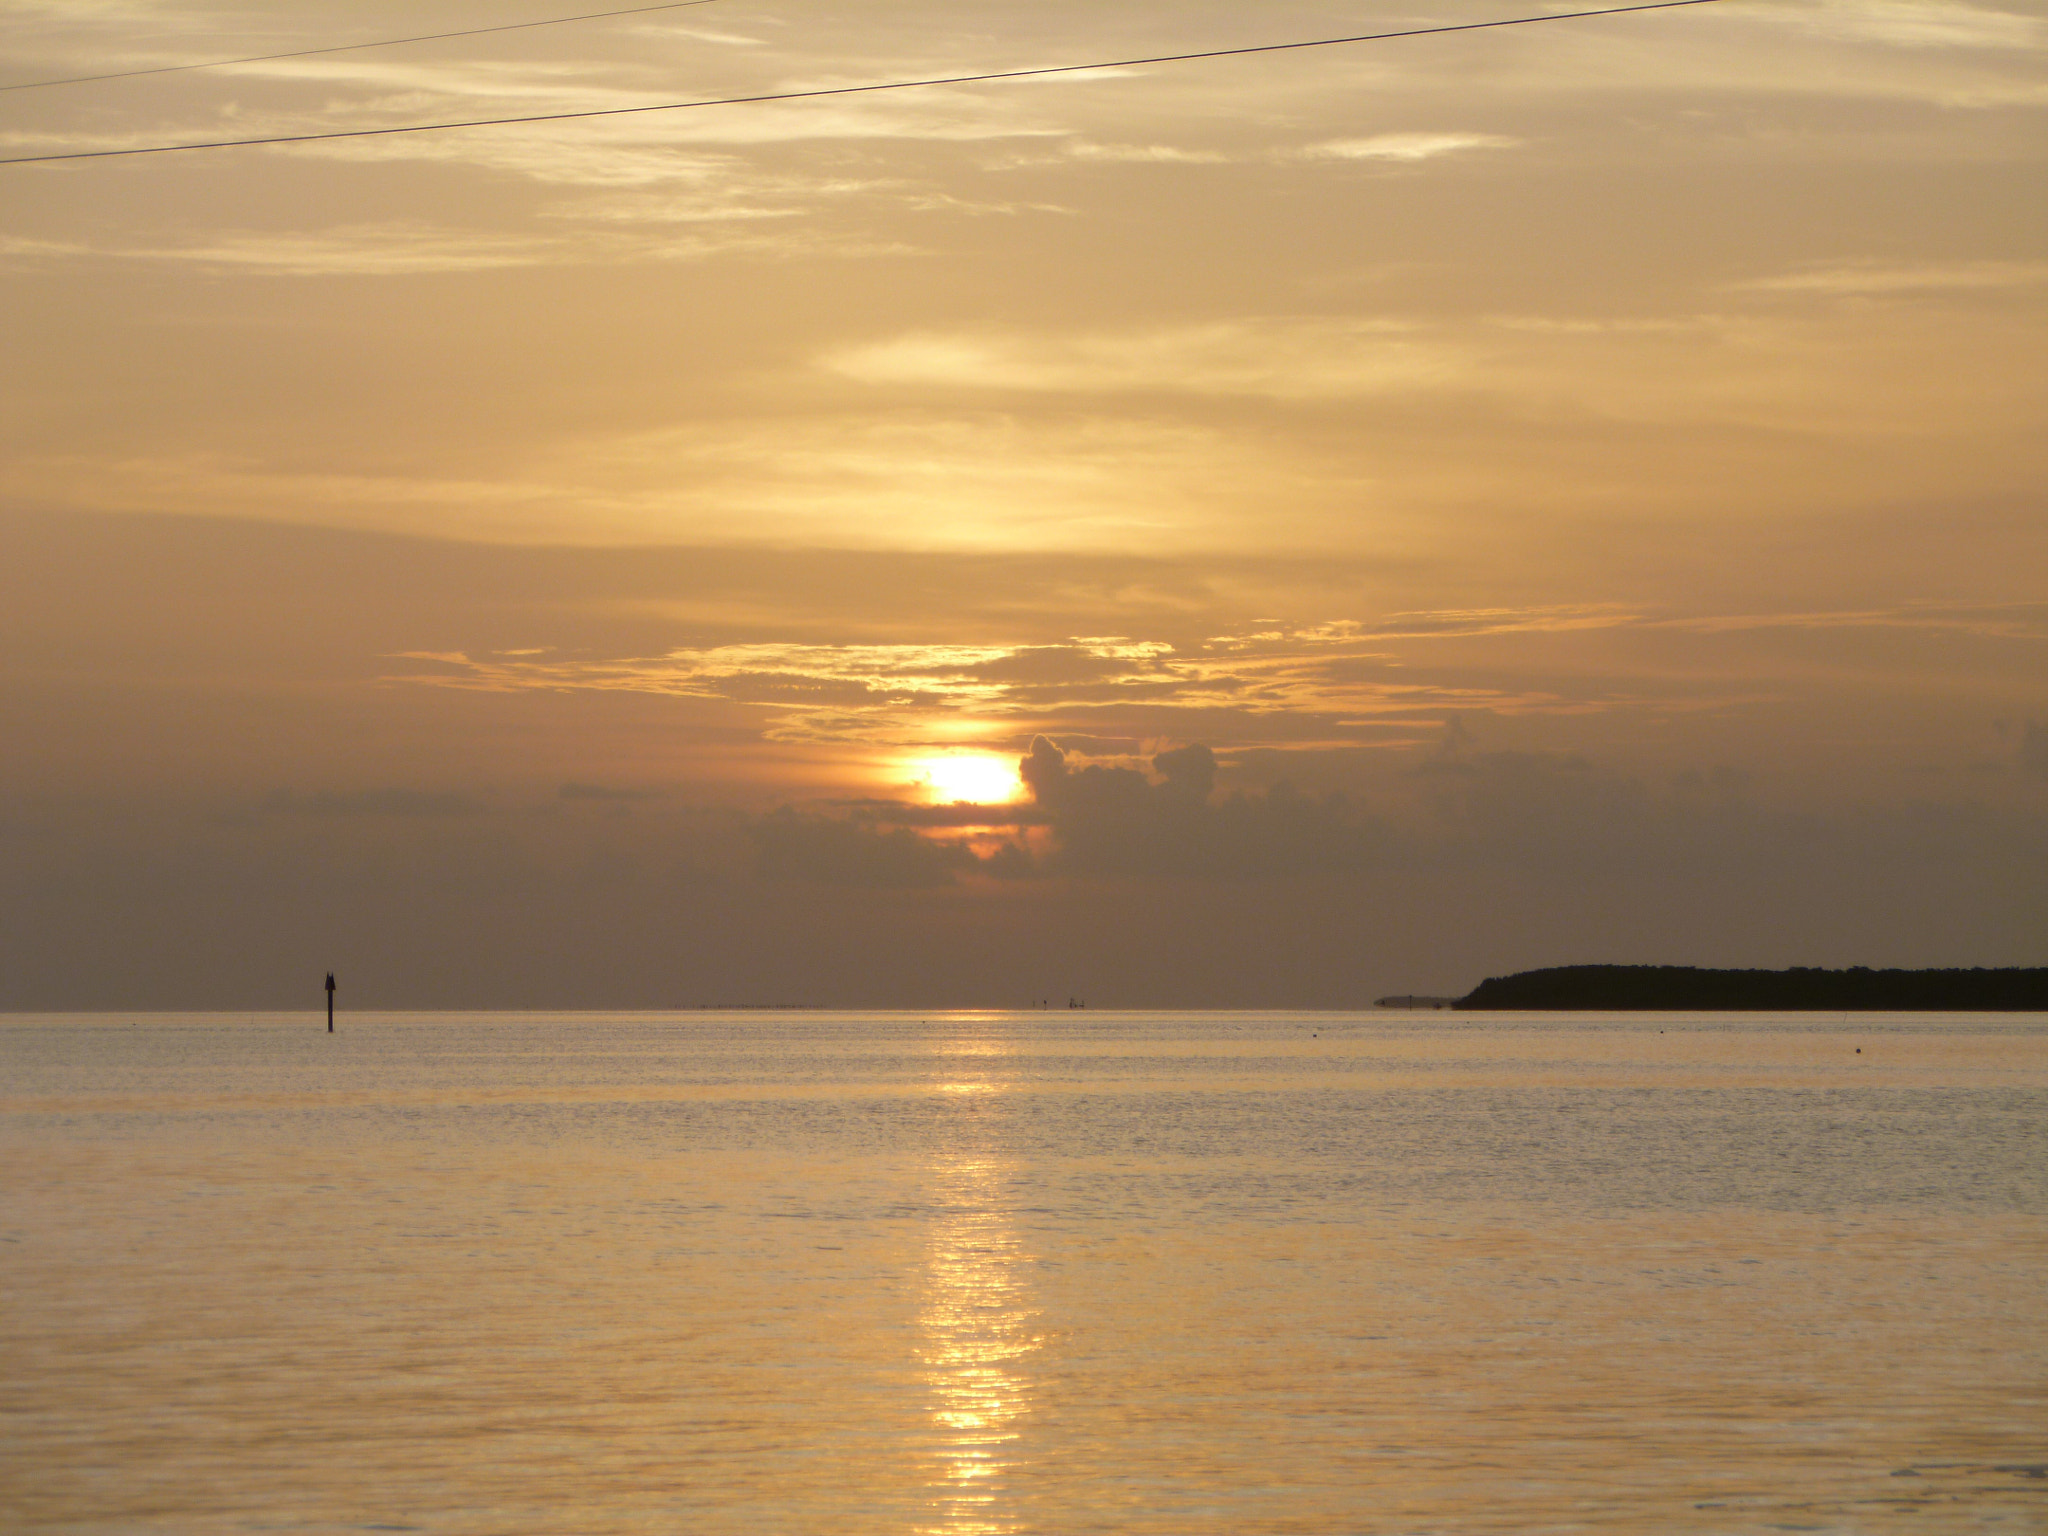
(850, 90)
(389, 42)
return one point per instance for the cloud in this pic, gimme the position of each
(1990, 621)
(1329, 680)
(1138, 154)
(1117, 822)
(1548, 620)
(41, 250)
(643, 132)
(1403, 146)
(833, 851)
(1097, 821)
(1289, 687)
(365, 250)
(1286, 359)
(608, 794)
(1772, 368)
(1869, 277)
(712, 190)
(1080, 662)
(662, 30)
(745, 151)
(958, 814)
(1918, 24)
(2033, 749)
(373, 802)
(652, 135)
(1350, 695)
(700, 909)
(1550, 809)
(671, 230)
(1189, 772)
(1397, 147)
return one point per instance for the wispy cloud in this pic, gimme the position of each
(1280, 686)
(365, 250)
(1550, 620)
(1865, 277)
(1284, 685)
(401, 249)
(1281, 359)
(373, 802)
(1138, 154)
(1407, 148)
(1403, 146)
(638, 136)
(26, 251)
(664, 31)
(1772, 367)
(1917, 24)
(607, 794)
(1991, 621)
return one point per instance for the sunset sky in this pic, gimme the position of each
(1419, 509)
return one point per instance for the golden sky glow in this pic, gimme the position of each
(1614, 440)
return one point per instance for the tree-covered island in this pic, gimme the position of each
(1682, 987)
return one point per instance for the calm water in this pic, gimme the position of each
(1004, 1273)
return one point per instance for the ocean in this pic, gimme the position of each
(993, 1273)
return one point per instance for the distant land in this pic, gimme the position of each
(1856, 990)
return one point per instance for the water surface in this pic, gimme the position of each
(1034, 1272)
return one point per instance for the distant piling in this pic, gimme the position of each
(330, 1002)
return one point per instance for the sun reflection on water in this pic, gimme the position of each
(975, 1326)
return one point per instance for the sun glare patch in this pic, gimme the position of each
(977, 780)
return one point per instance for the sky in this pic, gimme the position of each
(1272, 530)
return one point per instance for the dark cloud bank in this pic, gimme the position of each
(1099, 821)
(1534, 816)
(1161, 887)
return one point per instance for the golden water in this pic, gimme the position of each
(1011, 1273)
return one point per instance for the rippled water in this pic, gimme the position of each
(1038, 1272)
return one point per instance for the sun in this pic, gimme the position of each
(977, 779)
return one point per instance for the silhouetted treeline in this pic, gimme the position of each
(1857, 989)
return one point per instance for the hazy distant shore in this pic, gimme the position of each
(1857, 989)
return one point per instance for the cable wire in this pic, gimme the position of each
(849, 90)
(389, 42)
